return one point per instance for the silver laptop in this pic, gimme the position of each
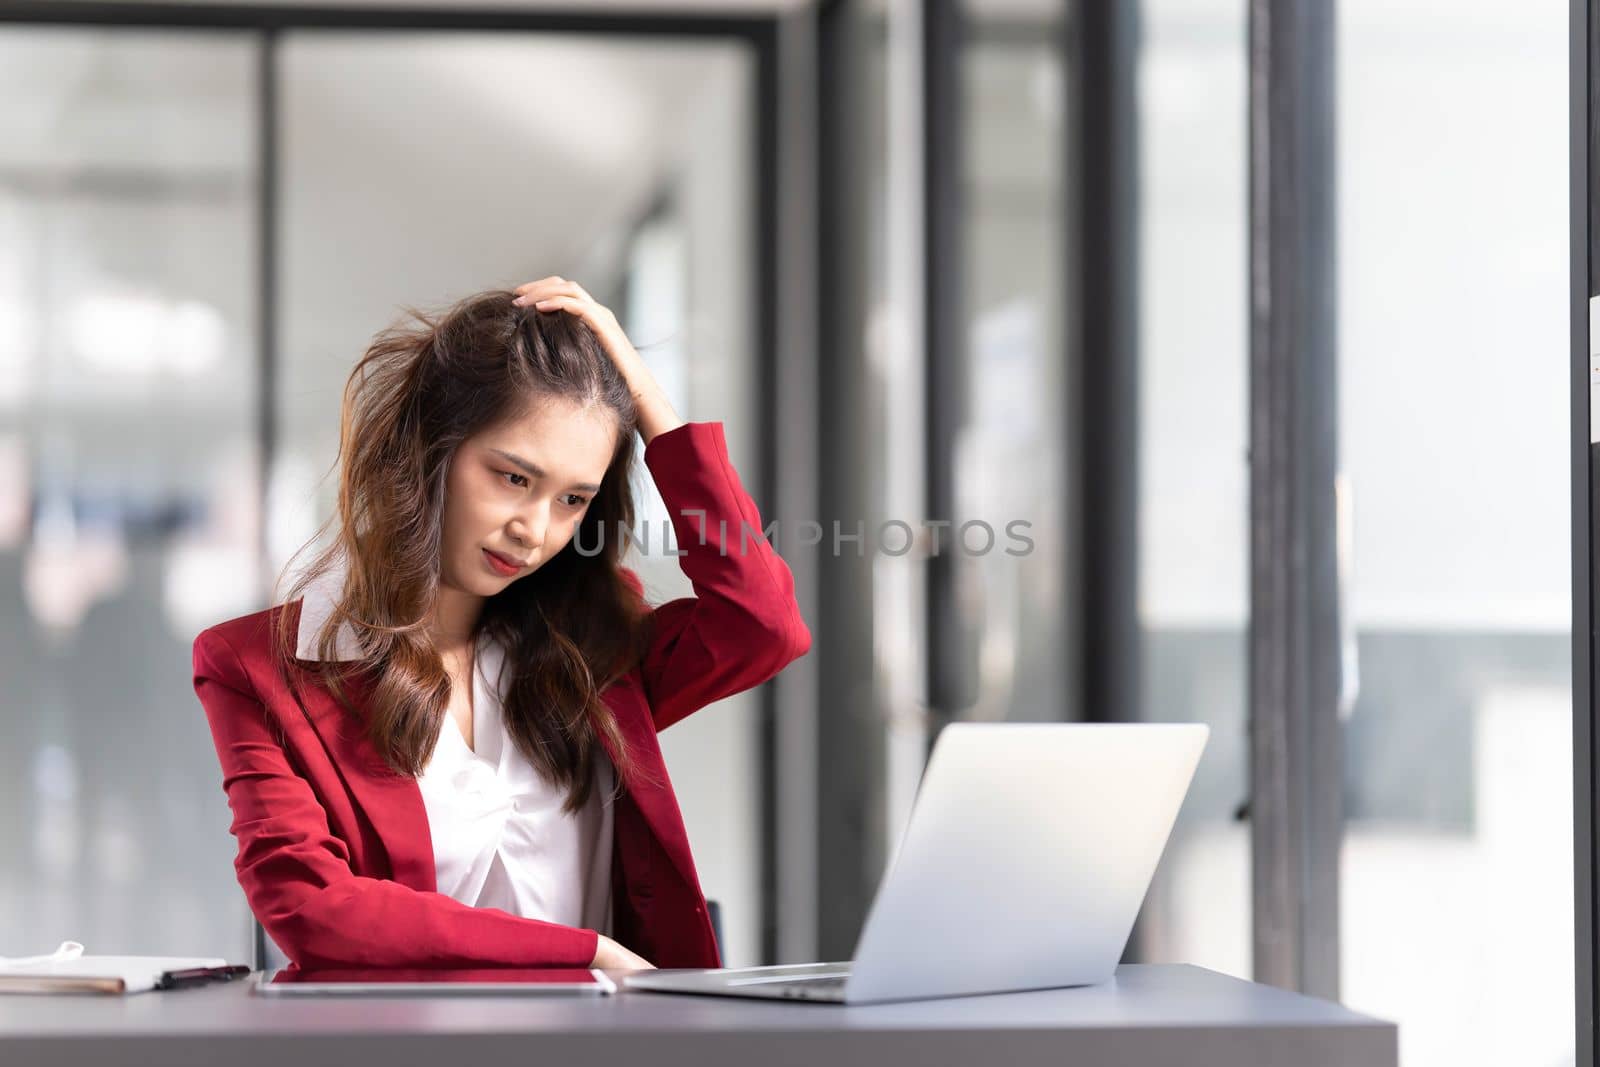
(1028, 852)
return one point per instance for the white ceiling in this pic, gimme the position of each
(489, 151)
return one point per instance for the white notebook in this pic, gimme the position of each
(68, 970)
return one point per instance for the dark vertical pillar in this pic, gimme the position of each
(1584, 198)
(1103, 324)
(764, 230)
(797, 430)
(261, 952)
(850, 737)
(267, 288)
(1295, 747)
(952, 645)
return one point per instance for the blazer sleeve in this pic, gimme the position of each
(296, 874)
(742, 626)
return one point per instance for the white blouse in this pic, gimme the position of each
(500, 838)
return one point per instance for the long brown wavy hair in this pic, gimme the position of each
(570, 628)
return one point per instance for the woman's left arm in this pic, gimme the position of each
(743, 625)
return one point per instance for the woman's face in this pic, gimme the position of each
(518, 491)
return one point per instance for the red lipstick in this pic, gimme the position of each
(500, 565)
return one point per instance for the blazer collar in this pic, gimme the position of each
(316, 607)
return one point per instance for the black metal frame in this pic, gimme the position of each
(267, 286)
(333, 17)
(1102, 352)
(1103, 275)
(951, 673)
(791, 878)
(1584, 199)
(271, 21)
(764, 36)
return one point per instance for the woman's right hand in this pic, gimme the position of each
(608, 955)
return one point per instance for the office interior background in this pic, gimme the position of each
(987, 260)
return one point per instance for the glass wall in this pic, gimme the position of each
(1007, 524)
(1011, 451)
(128, 316)
(417, 168)
(412, 169)
(1193, 464)
(1453, 423)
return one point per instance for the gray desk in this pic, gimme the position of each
(1152, 1016)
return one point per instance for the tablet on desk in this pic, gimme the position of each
(493, 981)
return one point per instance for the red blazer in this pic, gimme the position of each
(335, 855)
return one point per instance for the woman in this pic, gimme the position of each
(441, 750)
